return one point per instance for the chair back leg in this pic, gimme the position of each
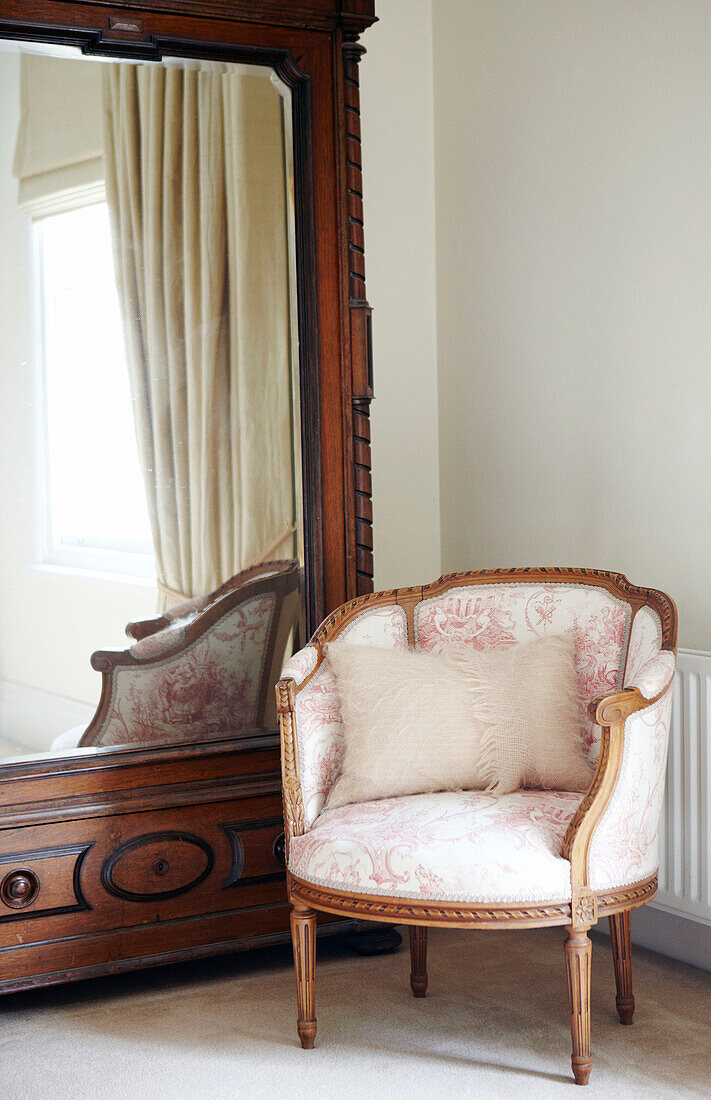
(578, 957)
(303, 938)
(418, 959)
(622, 958)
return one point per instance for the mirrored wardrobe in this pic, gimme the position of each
(185, 380)
(150, 396)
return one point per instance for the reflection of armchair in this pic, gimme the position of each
(205, 669)
(473, 859)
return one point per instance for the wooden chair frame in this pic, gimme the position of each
(610, 712)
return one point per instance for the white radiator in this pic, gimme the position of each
(685, 863)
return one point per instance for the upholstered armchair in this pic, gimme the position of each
(474, 859)
(206, 668)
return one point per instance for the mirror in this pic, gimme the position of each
(149, 400)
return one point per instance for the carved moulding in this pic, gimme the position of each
(471, 915)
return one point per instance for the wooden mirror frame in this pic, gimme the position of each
(68, 821)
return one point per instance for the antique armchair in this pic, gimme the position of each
(206, 668)
(473, 859)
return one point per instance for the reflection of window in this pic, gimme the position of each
(95, 516)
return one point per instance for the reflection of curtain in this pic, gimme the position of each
(196, 188)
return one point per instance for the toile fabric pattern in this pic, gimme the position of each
(319, 725)
(347, 846)
(211, 688)
(468, 846)
(484, 617)
(625, 845)
(497, 616)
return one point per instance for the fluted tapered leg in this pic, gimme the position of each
(578, 957)
(622, 958)
(303, 937)
(418, 960)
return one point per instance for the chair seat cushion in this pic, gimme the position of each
(467, 846)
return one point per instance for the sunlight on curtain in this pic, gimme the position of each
(196, 187)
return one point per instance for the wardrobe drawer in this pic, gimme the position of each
(41, 881)
(123, 870)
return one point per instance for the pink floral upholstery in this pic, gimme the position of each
(655, 675)
(211, 688)
(649, 668)
(495, 615)
(507, 847)
(470, 846)
(625, 845)
(381, 626)
(318, 715)
(301, 664)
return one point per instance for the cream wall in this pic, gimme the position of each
(573, 219)
(51, 621)
(398, 148)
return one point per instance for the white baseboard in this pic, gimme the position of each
(31, 718)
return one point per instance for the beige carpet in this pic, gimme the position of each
(494, 1024)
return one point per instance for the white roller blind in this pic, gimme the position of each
(59, 143)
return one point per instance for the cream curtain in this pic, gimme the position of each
(196, 187)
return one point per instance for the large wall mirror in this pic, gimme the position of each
(150, 399)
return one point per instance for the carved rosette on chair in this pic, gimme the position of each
(474, 859)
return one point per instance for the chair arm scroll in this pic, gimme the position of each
(611, 710)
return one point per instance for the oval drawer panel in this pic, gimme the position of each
(157, 865)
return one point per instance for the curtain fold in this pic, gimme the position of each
(196, 187)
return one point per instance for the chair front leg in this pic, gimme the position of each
(418, 959)
(622, 958)
(578, 957)
(303, 938)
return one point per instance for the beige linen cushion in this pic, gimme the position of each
(458, 720)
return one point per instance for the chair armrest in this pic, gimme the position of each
(646, 688)
(309, 726)
(143, 628)
(612, 838)
(655, 675)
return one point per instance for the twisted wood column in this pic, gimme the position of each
(303, 937)
(360, 321)
(622, 958)
(578, 958)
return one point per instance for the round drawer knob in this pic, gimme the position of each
(161, 867)
(279, 849)
(19, 888)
